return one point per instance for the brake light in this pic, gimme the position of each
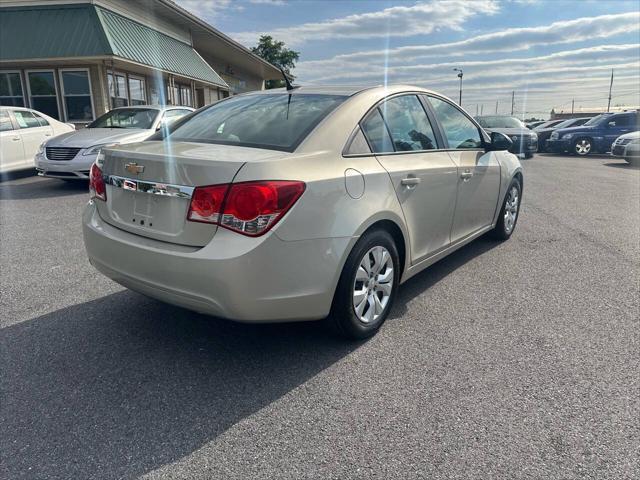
(97, 187)
(250, 208)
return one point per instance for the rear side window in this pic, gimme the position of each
(271, 121)
(460, 132)
(376, 132)
(26, 119)
(5, 121)
(623, 120)
(41, 120)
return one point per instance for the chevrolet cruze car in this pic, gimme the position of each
(301, 204)
(71, 155)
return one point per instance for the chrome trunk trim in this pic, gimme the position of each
(154, 188)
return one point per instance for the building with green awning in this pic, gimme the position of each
(75, 60)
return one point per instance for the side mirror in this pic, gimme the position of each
(611, 124)
(499, 141)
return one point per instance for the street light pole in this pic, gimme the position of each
(460, 73)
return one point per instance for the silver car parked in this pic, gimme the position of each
(300, 204)
(70, 156)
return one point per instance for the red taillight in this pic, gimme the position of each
(206, 203)
(250, 208)
(97, 188)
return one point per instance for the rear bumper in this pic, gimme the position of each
(262, 279)
(77, 168)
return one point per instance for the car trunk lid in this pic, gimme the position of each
(149, 186)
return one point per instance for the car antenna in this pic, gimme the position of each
(286, 80)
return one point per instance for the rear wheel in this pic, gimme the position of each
(509, 213)
(367, 286)
(583, 146)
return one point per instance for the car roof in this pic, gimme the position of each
(153, 107)
(342, 90)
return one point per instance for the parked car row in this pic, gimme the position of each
(525, 142)
(30, 138)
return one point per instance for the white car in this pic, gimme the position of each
(22, 131)
(627, 146)
(70, 156)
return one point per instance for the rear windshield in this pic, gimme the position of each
(597, 119)
(126, 118)
(273, 121)
(500, 122)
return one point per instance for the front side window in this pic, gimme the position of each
(274, 121)
(460, 132)
(77, 95)
(408, 124)
(11, 90)
(42, 90)
(5, 121)
(126, 118)
(26, 119)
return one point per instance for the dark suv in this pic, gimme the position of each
(595, 136)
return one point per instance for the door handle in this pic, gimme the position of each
(466, 175)
(47, 134)
(16, 139)
(410, 181)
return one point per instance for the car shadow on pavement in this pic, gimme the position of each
(119, 386)
(427, 278)
(24, 187)
(623, 165)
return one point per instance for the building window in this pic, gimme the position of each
(76, 92)
(11, 89)
(42, 93)
(136, 90)
(117, 90)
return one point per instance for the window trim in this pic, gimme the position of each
(20, 76)
(56, 87)
(434, 124)
(62, 94)
(143, 79)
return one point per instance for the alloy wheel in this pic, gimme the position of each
(373, 284)
(583, 146)
(511, 209)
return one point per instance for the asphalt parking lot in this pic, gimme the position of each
(513, 360)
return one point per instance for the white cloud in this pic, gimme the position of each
(513, 39)
(269, 2)
(206, 9)
(398, 21)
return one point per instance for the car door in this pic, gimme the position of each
(11, 149)
(34, 130)
(619, 125)
(478, 183)
(400, 133)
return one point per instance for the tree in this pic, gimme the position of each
(275, 52)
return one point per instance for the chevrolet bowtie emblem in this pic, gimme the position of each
(134, 168)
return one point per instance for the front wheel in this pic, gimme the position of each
(582, 147)
(367, 286)
(509, 213)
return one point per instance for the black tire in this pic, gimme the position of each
(633, 161)
(343, 319)
(583, 146)
(501, 231)
(528, 156)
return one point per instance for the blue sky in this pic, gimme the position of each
(548, 52)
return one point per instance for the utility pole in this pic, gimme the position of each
(610, 87)
(513, 99)
(496, 107)
(481, 109)
(573, 100)
(460, 73)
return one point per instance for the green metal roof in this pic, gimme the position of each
(84, 30)
(136, 42)
(43, 32)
